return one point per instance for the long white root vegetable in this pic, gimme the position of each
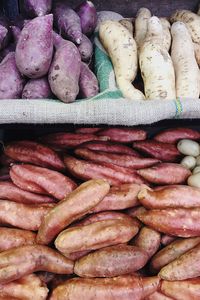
(185, 65)
(141, 24)
(166, 33)
(128, 23)
(197, 52)
(156, 65)
(122, 49)
(191, 20)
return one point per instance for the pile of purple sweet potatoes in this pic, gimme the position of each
(47, 52)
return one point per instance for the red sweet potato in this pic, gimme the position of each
(24, 288)
(24, 216)
(9, 191)
(120, 197)
(24, 260)
(35, 47)
(41, 180)
(123, 160)
(96, 235)
(162, 151)
(172, 252)
(170, 196)
(73, 207)
(135, 211)
(118, 288)
(124, 135)
(111, 261)
(182, 290)
(182, 222)
(115, 175)
(109, 147)
(158, 296)
(86, 130)
(165, 173)
(64, 140)
(148, 240)
(184, 267)
(34, 153)
(167, 239)
(12, 238)
(173, 135)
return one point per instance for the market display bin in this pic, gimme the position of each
(30, 121)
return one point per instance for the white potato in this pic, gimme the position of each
(189, 147)
(196, 170)
(194, 180)
(189, 162)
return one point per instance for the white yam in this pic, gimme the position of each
(141, 23)
(166, 33)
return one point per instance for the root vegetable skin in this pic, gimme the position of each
(88, 83)
(37, 89)
(11, 81)
(141, 25)
(182, 222)
(128, 24)
(185, 65)
(115, 175)
(88, 17)
(158, 71)
(35, 153)
(184, 267)
(173, 135)
(67, 21)
(122, 49)
(158, 296)
(23, 216)
(173, 196)
(120, 197)
(182, 290)
(166, 33)
(42, 181)
(191, 20)
(35, 47)
(122, 160)
(165, 173)
(65, 71)
(12, 238)
(118, 288)
(159, 150)
(9, 191)
(23, 289)
(148, 240)
(24, 260)
(79, 203)
(171, 252)
(111, 261)
(96, 235)
(123, 135)
(34, 8)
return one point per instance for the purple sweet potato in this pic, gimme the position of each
(88, 82)
(88, 15)
(34, 49)
(11, 81)
(37, 8)
(64, 72)
(67, 21)
(4, 32)
(37, 89)
(85, 49)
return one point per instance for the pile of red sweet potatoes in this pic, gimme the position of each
(99, 214)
